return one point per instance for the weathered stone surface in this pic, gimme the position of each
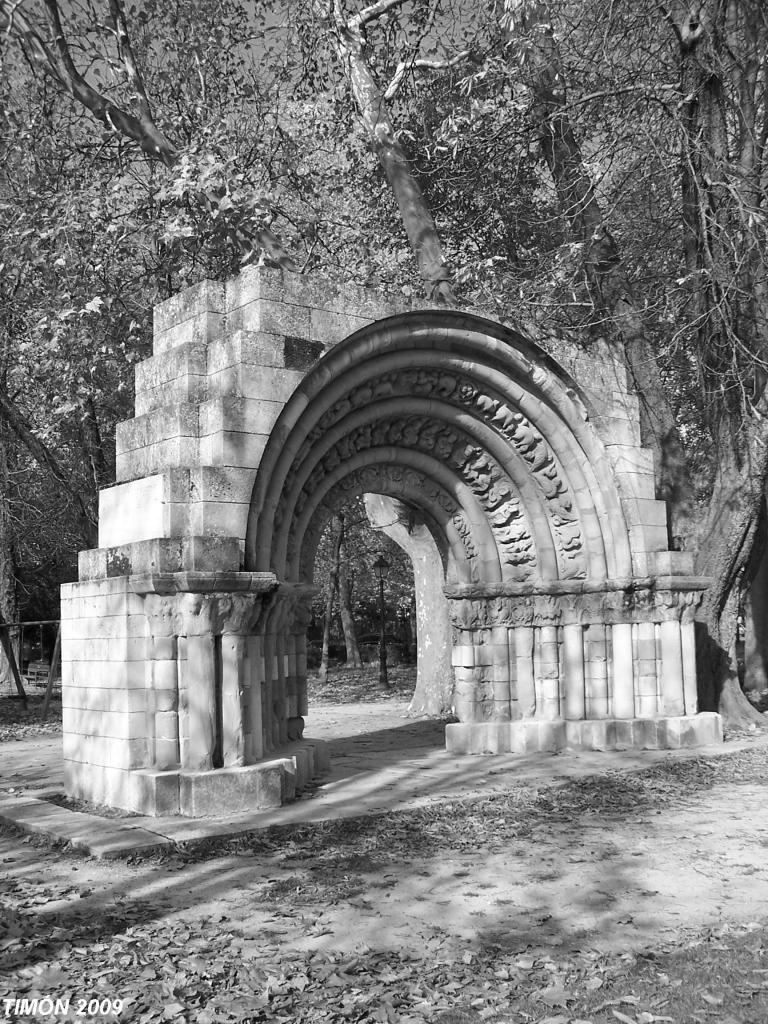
(155, 793)
(162, 555)
(557, 615)
(196, 301)
(178, 376)
(204, 794)
(133, 511)
(611, 734)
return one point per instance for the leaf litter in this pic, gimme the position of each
(211, 970)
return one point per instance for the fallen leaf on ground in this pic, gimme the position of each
(623, 1017)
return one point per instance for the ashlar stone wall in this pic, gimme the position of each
(268, 402)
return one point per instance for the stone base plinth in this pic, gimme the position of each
(223, 791)
(529, 736)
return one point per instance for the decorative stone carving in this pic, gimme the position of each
(475, 467)
(202, 614)
(390, 479)
(434, 437)
(216, 662)
(617, 602)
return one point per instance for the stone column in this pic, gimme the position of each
(573, 671)
(197, 700)
(162, 681)
(294, 620)
(672, 668)
(302, 703)
(646, 681)
(271, 732)
(526, 687)
(255, 724)
(623, 671)
(690, 689)
(233, 652)
(502, 686)
(279, 625)
(165, 692)
(596, 671)
(547, 673)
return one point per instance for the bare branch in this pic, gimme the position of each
(10, 16)
(14, 420)
(422, 63)
(59, 64)
(125, 52)
(14, 24)
(369, 14)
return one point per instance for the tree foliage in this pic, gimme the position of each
(596, 167)
(357, 546)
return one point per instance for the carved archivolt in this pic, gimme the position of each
(473, 465)
(394, 480)
(478, 470)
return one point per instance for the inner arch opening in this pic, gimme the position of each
(369, 698)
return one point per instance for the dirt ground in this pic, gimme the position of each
(615, 880)
(614, 872)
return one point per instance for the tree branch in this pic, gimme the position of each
(59, 64)
(371, 13)
(14, 24)
(421, 62)
(417, 219)
(40, 453)
(125, 52)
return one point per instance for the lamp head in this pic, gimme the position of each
(381, 565)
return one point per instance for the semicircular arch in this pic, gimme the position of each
(506, 418)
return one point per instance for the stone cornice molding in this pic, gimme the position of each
(203, 583)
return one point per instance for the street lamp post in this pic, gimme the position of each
(381, 565)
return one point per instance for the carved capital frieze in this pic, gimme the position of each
(476, 608)
(199, 608)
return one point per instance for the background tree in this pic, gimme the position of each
(347, 550)
(594, 167)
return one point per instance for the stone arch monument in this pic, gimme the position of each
(267, 404)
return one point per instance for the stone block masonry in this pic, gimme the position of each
(267, 403)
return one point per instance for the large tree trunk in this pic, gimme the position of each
(724, 247)
(727, 542)
(90, 434)
(433, 695)
(345, 608)
(419, 224)
(330, 593)
(606, 281)
(756, 614)
(9, 605)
